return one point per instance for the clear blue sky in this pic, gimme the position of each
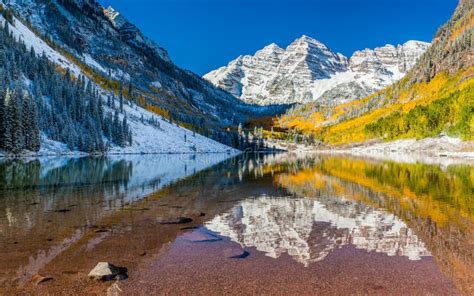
(202, 35)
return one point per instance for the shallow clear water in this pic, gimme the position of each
(265, 224)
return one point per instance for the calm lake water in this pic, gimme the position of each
(269, 224)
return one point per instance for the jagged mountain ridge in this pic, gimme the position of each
(308, 71)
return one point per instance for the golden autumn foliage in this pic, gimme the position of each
(462, 25)
(334, 129)
(159, 111)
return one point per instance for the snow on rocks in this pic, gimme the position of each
(308, 70)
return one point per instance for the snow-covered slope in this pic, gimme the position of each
(308, 70)
(30, 39)
(147, 138)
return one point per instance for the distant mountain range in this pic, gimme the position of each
(308, 71)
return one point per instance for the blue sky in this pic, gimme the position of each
(202, 35)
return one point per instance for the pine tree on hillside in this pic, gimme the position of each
(30, 138)
(26, 121)
(16, 125)
(7, 143)
(2, 118)
(121, 98)
(117, 130)
(35, 141)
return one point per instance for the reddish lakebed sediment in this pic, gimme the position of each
(256, 230)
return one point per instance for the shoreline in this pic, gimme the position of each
(84, 154)
(440, 147)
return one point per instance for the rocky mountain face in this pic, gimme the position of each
(308, 71)
(452, 48)
(113, 51)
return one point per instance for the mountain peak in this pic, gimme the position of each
(305, 39)
(272, 48)
(415, 44)
(308, 70)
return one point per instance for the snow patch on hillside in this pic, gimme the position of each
(167, 138)
(20, 31)
(93, 63)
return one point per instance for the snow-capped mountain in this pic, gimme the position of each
(308, 70)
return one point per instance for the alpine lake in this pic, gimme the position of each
(214, 224)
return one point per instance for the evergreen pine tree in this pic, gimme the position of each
(2, 117)
(121, 98)
(124, 131)
(117, 130)
(35, 142)
(16, 126)
(26, 121)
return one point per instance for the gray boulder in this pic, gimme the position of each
(105, 271)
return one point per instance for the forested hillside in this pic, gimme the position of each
(53, 105)
(437, 96)
(35, 95)
(110, 50)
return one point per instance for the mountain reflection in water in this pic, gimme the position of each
(309, 229)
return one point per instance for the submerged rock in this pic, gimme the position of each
(39, 279)
(236, 253)
(101, 230)
(62, 211)
(105, 271)
(243, 255)
(189, 228)
(200, 237)
(177, 220)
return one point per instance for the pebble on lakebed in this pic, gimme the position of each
(105, 271)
